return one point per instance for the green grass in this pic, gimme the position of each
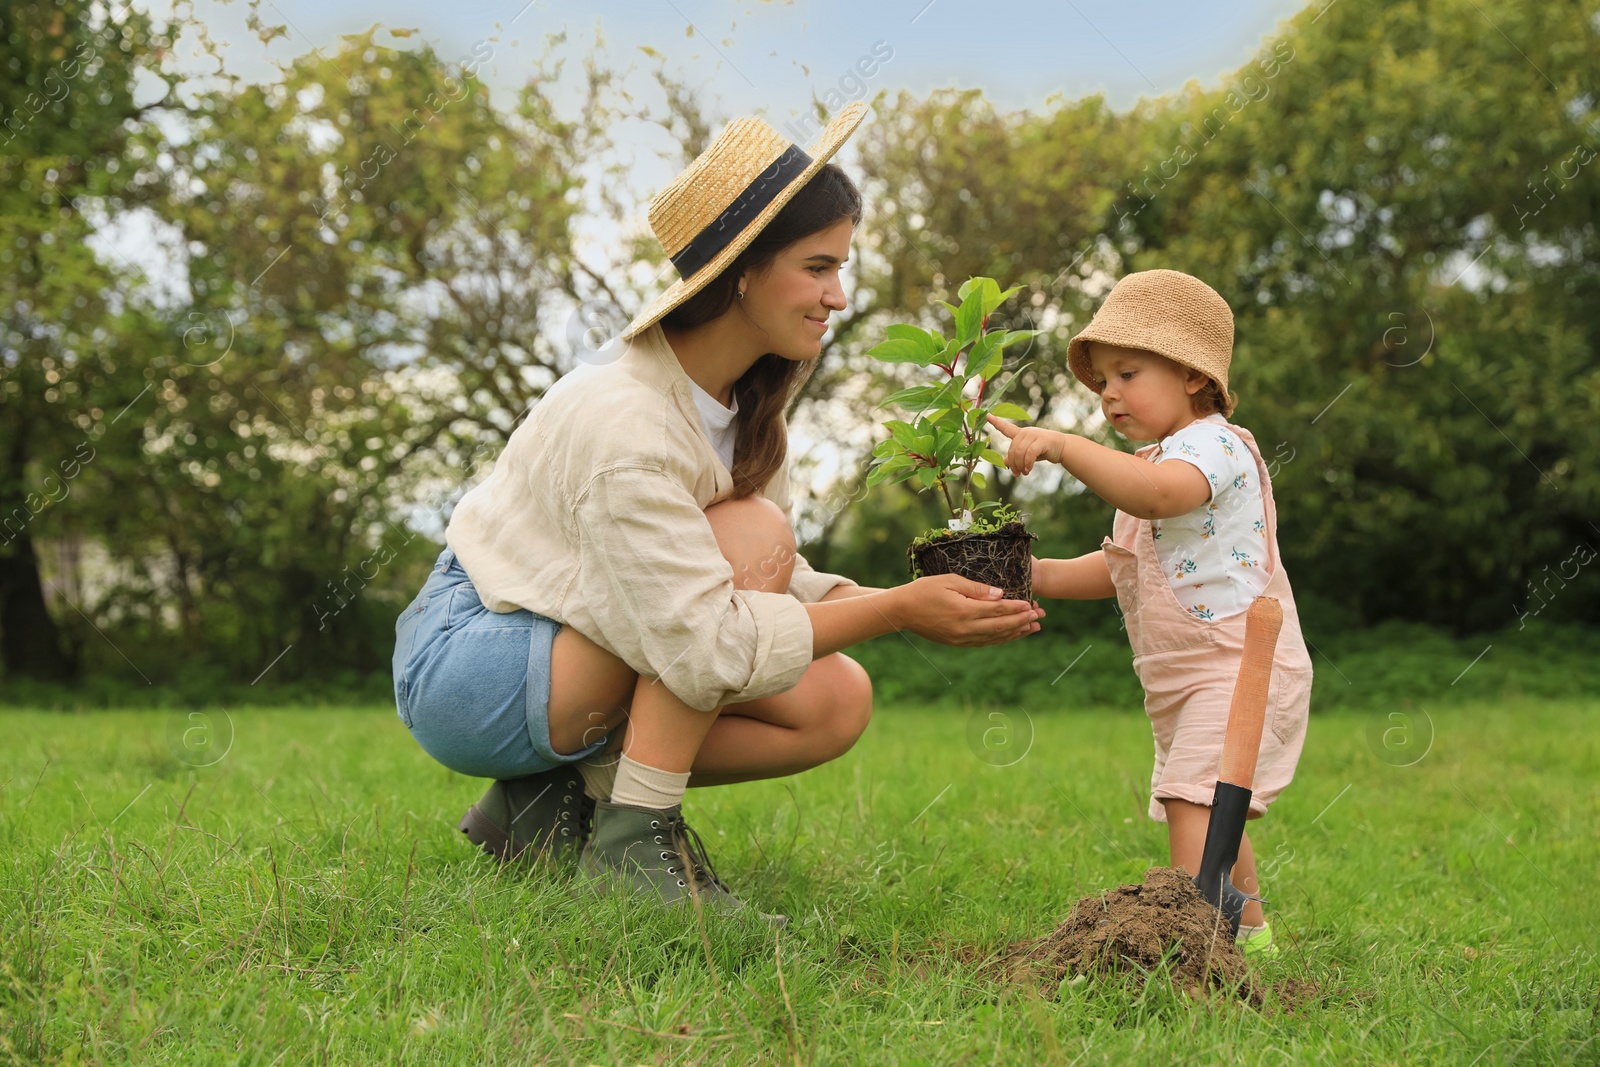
(305, 899)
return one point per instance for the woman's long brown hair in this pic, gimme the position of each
(761, 441)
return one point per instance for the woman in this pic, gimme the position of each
(626, 578)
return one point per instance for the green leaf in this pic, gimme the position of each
(915, 398)
(1010, 411)
(905, 350)
(888, 448)
(987, 289)
(969, 320)
(904, 433)
(978, 480)
(993, 297)
(984, 360)
(904, 339)
(901, 464)
(902, 332)
(926, 477)
(987, 292)
(995, 393)
(993, 457)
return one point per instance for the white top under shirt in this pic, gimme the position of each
(718, 422)
(1215, 556)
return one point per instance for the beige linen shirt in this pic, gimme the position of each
(594, 515)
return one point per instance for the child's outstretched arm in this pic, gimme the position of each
(1128, 483)
(1086, 578)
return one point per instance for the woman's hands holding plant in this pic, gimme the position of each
(953, 610)
(946, 608)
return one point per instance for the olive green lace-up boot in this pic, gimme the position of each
(524, 818)
(654, 851)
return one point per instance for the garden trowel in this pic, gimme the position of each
(1230, 804)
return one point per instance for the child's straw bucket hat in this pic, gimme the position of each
(1167, 312)
(712, 211)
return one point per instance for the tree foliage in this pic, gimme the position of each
(369, 272)
(373, 275)
(1400, 204)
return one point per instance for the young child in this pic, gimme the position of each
(1193, 543)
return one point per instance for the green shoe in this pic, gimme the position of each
(523, 818)
(654, 851)
(1259, 945)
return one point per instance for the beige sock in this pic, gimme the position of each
(647, 787)
(599, 774)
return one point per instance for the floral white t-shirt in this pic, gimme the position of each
(1215, 556)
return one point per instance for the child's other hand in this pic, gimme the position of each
(1028, 445)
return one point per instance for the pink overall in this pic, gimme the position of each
(1188, 666)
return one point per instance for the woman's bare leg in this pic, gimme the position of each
(816, 721)
(590, 690)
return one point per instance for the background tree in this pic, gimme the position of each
(67, 106)
(1400, 207)
(1405, 226)
(371, 272)
(374, 276)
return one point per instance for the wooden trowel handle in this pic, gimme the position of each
(1263, 621)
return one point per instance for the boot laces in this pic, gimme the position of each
(686, 840)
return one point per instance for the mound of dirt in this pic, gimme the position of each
(1133, 928)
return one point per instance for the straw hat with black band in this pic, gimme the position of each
(1167, 312)
(712, 211)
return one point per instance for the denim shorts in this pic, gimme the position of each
(473, 685)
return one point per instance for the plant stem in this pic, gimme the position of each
(970, 434)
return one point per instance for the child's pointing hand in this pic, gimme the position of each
(1028, 445)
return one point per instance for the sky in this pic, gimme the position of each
(770, 57)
